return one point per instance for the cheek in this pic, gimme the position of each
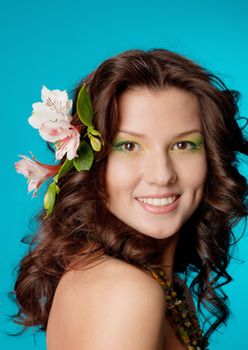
(120, 174)
(196, 173)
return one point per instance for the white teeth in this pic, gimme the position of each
(158, 202)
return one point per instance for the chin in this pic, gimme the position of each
(157, 234)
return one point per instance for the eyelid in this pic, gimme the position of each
(120, 143)
(189, 141)
(193, 143)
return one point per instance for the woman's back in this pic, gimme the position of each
(112, 305)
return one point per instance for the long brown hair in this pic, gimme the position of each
(80, 218)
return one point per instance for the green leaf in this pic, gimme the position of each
(93, 131)
(66, 166)
(84, 106)
(85, 157)
(95, 143)
(57, 188)
(50, 197)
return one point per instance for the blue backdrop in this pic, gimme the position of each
(55, 43)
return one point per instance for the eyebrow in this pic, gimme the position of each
(144, 136)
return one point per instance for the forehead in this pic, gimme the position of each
(169, 111)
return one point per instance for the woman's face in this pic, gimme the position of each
(157, 166)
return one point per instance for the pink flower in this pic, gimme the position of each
(65, 136)
(35, 172)
(68, 145)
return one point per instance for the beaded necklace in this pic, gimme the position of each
(183, 320)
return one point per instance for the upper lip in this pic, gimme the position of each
(164, 195)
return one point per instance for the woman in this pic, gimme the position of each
(160, 201)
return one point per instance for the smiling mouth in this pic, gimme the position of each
(158, 202)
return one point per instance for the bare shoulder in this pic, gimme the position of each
(111, 305)
(108, 272)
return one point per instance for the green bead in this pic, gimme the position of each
(173, 294)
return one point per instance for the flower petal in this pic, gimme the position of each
(55, 107)
(36, 172)
(43, 114)
(68, 145)
(56, 100)
(53, 132)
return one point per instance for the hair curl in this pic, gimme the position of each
(80, 219)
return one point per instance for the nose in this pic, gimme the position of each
(159, 169)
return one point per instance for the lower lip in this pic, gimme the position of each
(159, 210)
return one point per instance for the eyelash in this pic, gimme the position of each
(193, 145)
(119, 145)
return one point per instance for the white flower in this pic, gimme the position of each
(35, 171)
(55, 108)
(52, 117)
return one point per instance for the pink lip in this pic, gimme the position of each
(159, 210)
(170, 194)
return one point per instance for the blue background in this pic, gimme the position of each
(56, 43)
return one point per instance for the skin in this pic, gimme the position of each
(157, 161)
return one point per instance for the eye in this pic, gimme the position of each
(185, 145)
(127, 146)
